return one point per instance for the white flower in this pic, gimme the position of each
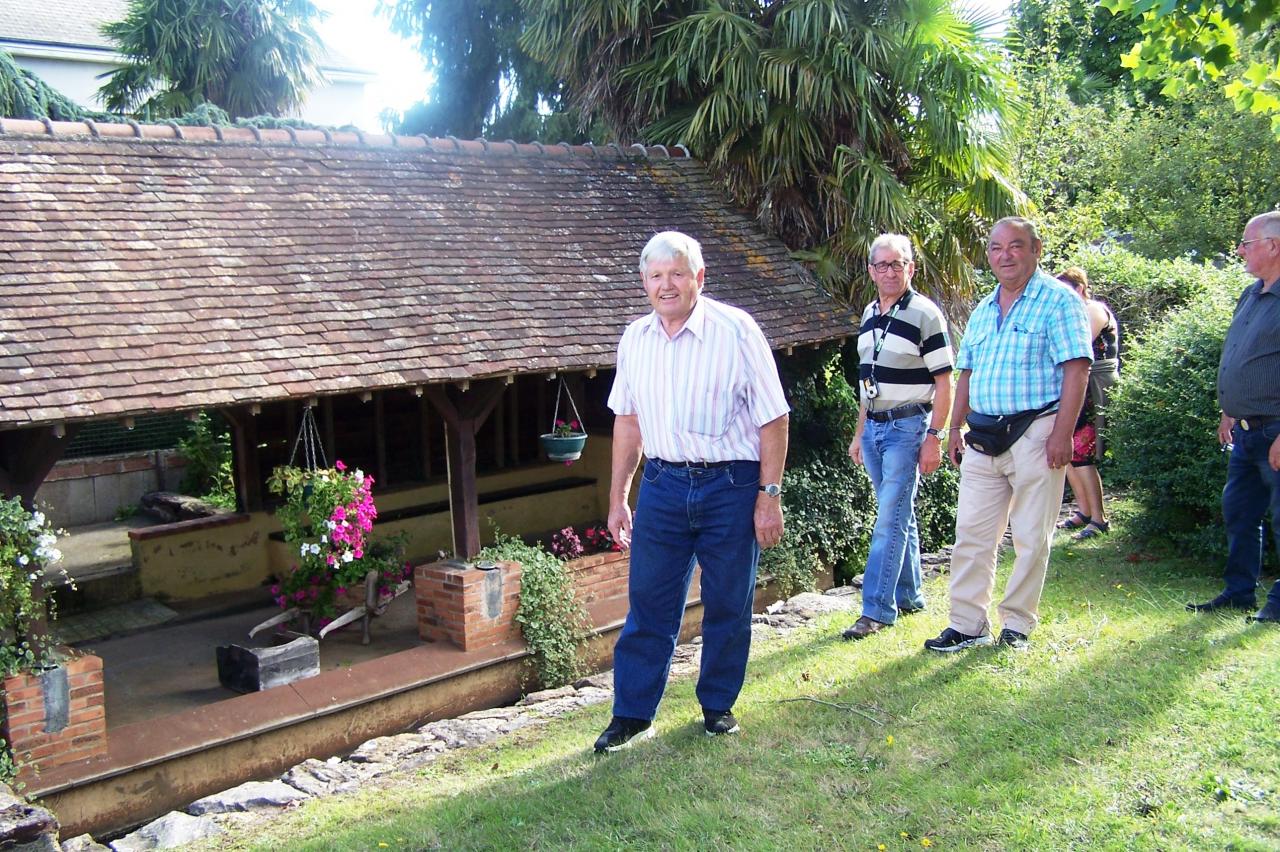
(333, 525)
(32, 576)
(347, 556)
(36, 522)
(23, 559)
(315, 550)
(46, 540)
(55, 555)
(359, 475)
(324, 539)
(306, 548)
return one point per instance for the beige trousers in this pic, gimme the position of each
(1017, 490)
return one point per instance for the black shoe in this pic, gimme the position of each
(953, 640)
(623, 733)
(717, 722)
(1013, 639)
(1270, 612)
(1222, 602)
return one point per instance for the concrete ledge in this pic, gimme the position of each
(193, 525)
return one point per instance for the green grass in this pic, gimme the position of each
(1128, 724)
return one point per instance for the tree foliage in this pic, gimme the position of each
(1187, 43)
(249, 57)
(1177, 176)
(25, 95)
(831, 120)
(485, 82)
(1081, 36)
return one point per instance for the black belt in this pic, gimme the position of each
(700, 465)
(901, 411)
(1248, 424)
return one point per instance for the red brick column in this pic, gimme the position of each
(33, 727)
(465, 605)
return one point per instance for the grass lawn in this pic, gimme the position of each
(1128, 724)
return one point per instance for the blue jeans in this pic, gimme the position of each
(1252, 492)
(891, 453)
(687, 515)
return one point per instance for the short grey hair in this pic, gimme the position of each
(1021, 223)
(899, 242)
(668, 245)
(1270, 223)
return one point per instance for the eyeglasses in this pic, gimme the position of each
(1244, 243)
(885, 266)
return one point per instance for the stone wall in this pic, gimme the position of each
(92, 490)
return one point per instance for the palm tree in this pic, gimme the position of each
(249, 57)
(832, 120)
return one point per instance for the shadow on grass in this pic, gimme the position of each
(988, 747)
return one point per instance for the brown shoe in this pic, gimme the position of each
(864, 627)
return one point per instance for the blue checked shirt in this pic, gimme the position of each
(1016, 360)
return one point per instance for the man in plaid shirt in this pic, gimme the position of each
(1026, 349)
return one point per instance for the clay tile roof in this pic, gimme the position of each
(143, 272)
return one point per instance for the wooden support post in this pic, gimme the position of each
(424, 430)
(463, 415)
(27, 456)
(330, 442)
(380, 436)
(244, 457)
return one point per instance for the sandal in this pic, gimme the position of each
(1080, 521)
(1093, 529)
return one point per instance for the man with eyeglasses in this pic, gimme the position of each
(1024, 366)
(1249, 396)
(904, 376)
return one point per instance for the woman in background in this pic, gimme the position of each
(1090, 518)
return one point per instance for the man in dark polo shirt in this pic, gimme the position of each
(1249, 396)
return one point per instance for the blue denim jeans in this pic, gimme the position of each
(687, 515)
(1252, 492)
(891, 453)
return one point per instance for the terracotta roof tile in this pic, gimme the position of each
(142, 273)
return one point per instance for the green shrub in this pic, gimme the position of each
(1141, 291)
(207, 449)
(1162, 423)
(553, 622)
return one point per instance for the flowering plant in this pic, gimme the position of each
(564, 430)
(326, 517)
(27, 550)
(595, 538)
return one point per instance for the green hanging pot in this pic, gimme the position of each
(563, 447)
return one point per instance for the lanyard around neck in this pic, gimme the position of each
(884, 332)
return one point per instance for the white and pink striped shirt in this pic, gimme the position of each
(703, 395)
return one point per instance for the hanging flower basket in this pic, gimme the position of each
(567, 447)
(566, 439)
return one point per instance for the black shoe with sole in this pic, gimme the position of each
(717, 722)
(1222, 602)
(953, 640)
(623, 733)
(1013, 639)
(1269, 613)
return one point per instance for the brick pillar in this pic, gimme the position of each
(465, 605)
(56, 717)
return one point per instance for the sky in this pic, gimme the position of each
(354, 30)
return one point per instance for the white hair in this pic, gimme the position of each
(902, 244)
(668, 245)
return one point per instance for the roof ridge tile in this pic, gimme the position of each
(171, 131)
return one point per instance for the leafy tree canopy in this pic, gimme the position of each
(1079, 35)
(485, 82)
(248, 57)
(1186, 43)
(832, 120)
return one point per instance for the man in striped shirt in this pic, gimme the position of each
(697, 393)
(1026, 350)
(904, 371)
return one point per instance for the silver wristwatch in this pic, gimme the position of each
(773, 489)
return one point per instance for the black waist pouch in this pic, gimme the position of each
(994, 435)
